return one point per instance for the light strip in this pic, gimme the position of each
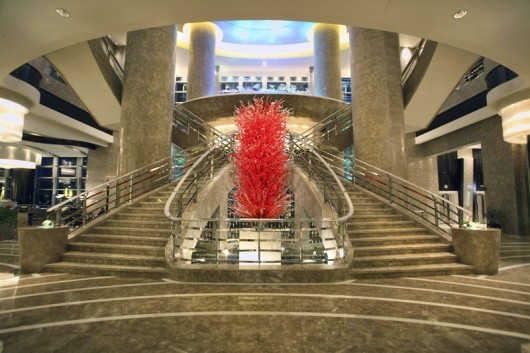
(16, 163)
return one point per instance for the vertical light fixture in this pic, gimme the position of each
(11, 121)
(516, 122)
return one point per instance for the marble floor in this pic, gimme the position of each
(71, 313)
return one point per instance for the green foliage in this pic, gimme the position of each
(8, 215)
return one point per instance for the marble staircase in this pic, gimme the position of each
(389, 244)
(129, 243)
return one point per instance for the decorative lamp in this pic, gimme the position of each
(516, 121)
(11, 121)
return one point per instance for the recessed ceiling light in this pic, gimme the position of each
(62, 12)
(460, 14)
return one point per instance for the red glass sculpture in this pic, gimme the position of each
(260, 160)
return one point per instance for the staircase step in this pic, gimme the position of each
(369, 205)
(394, 240)
(138, 224)
(403, 260)
(356, 233)
(373, 212)
(400, 249)
(107, 270)
(381, 225)
(376, 218)
(116, 248)
(158, 217)
(143, 210)
(412, 271)
(114, 259)
(123, 239)
(153, 204)
(129, 231)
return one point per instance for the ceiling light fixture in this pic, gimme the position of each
(62, 12)
(460, 14)
(11, 121)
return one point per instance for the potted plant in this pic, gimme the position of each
(8, 223)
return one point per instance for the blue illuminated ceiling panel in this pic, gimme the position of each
(264, 32)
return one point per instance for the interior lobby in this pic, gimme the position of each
(431, 97)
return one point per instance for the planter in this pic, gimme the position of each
(478, 248)
(39, 246)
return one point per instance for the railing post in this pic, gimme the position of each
(130, 188)
(84, 212)
(117, 200)
(58, 216)
(460, 219)
(215, 229)
(390, 188)
(107, 197)
(436, 217)
(259, 244)
(211, 167)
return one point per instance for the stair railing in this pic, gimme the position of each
(85, 207)
(335, 123)
(219, 240)
(191, 124)
(439, 212)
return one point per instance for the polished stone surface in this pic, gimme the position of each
(39, 246)
(327, 75)
(147, 99)
(479, 248)
(377, 102)
(201, 63)
(73, 313)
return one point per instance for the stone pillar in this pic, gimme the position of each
(201, 64)
(326, 41)
(102, 163)
(377, 100)
(147, 100)
(421, 170)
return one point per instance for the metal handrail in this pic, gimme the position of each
(201, 167)
(405, 74)
(187, 121)
(341, 118)
(399, 191)
(88, 205)
(109, 48)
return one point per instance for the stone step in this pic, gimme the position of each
(122, 239)
(158, 217)
(369, 205)
(116, 248)
(376, 218)
(357, 233)
(393, 240)
(114, 259)
(131, 231)
(403, 260)
(138, 224)
(373, 212)
(400, 249)
(412, 271)
(143, 210)
(106, 270)
(381, 225)
(152, 204)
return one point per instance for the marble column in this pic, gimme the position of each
(326, 41)
(102, 163)
(377, 100)
(201, 64)
(147, 99)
